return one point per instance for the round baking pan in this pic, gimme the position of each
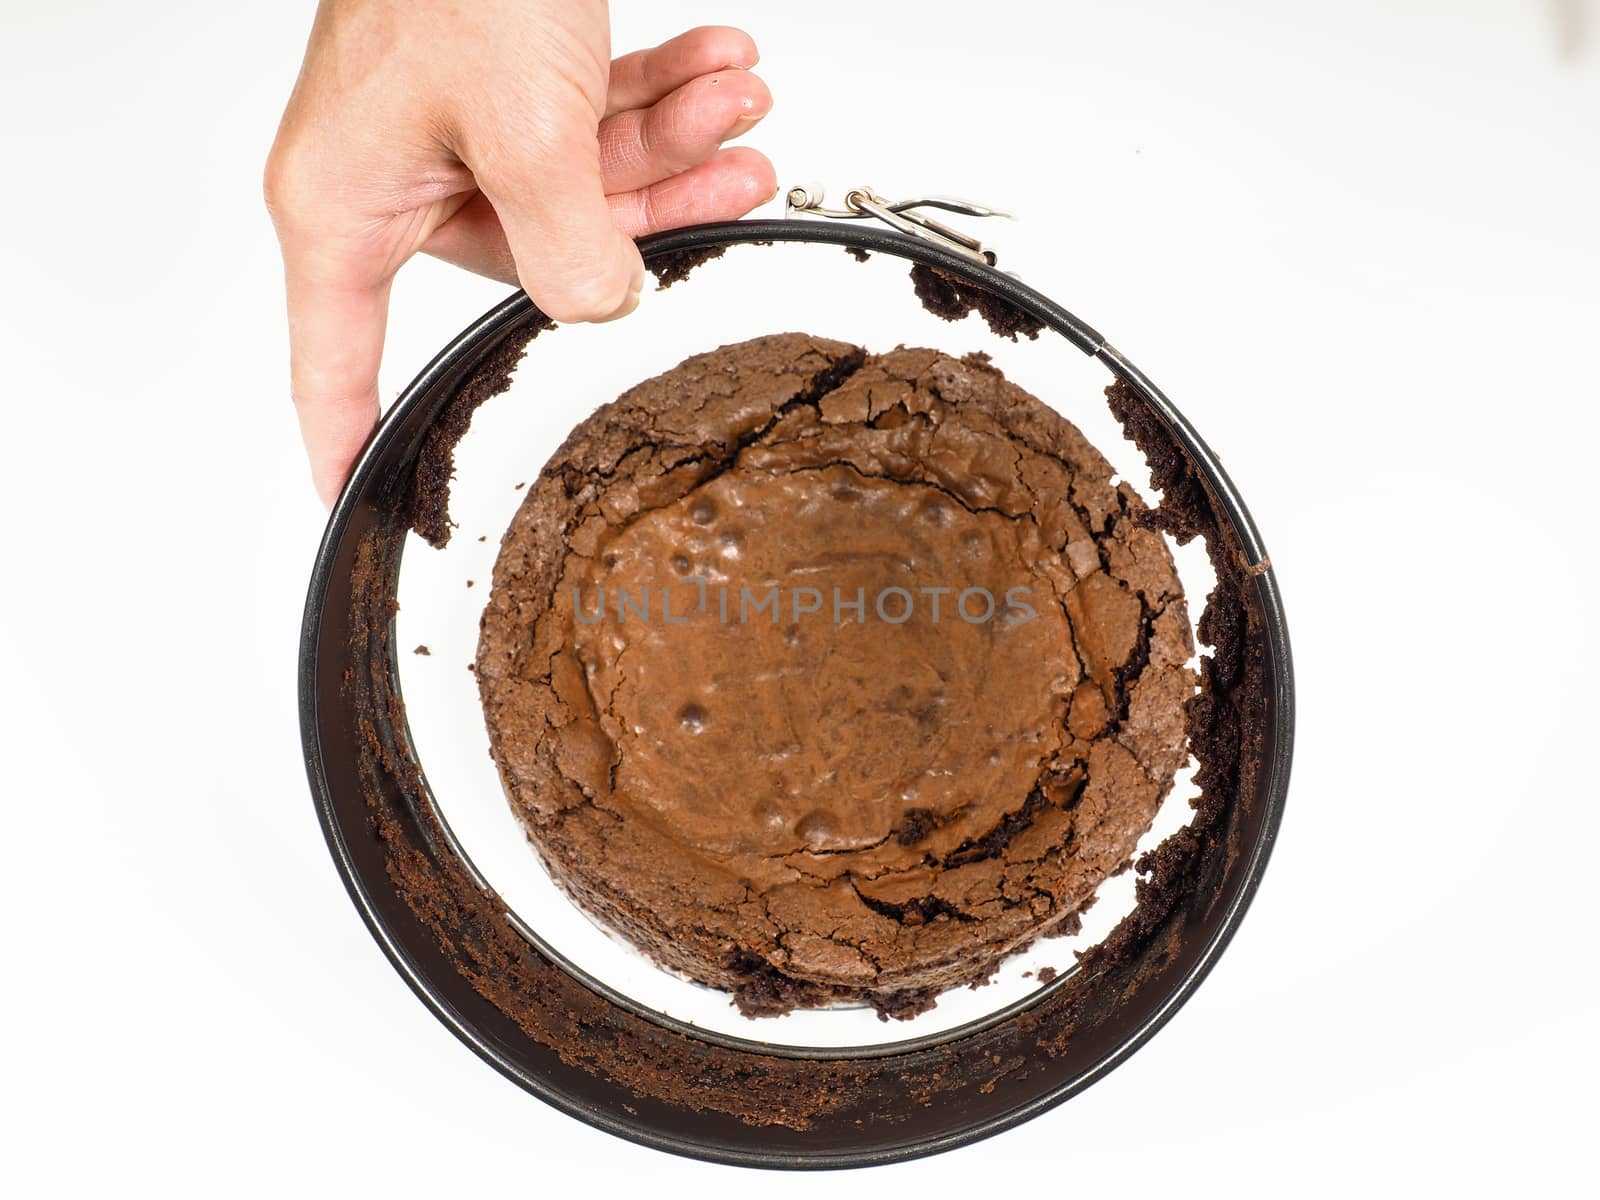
(599, 1056)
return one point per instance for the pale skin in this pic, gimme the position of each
(501, 136)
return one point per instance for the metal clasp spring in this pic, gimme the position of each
(862, 202)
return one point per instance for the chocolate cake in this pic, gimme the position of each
(827, 677)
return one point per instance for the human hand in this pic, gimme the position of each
(497, 135)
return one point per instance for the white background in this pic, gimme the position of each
(1357, 243)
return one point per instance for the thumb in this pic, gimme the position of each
(335, 345)
(571, 259)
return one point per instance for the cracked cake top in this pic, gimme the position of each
(824, 676)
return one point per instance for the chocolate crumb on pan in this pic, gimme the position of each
(427, 500)
(945, 296)
(677, 266)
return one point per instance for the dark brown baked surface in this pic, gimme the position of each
(801, 806)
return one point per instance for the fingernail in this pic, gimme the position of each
(747, 118)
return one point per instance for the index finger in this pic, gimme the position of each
(639, 79)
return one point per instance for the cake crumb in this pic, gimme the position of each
(951, 298)
(677, 266)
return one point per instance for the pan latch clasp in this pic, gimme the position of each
(862, 203)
